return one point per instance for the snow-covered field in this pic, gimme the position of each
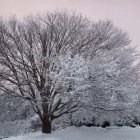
(84, 133)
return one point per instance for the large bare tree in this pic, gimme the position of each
(28, 50)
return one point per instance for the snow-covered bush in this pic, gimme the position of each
(105, 124)
(126, 121)
(137, 120)
(14, 128)
(13, 108)
(35, 123)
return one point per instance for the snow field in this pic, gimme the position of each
(84, 133)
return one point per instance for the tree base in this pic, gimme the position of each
(46, 127)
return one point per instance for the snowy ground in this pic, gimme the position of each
(85, 133)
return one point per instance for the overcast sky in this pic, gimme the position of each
(124, 13)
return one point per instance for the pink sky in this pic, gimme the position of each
(124, 13)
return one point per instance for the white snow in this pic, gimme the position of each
(84, 133)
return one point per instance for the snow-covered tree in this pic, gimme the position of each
(31, 65)
(113, 86)
(39, 59)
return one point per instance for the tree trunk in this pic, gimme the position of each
(46, 118)
(46, 125)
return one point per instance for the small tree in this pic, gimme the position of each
(30, 53)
